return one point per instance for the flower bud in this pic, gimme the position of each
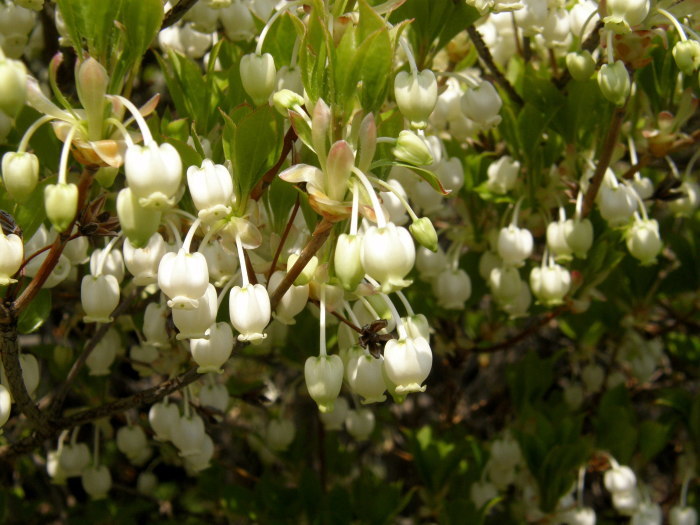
(644, 241)
(416, 96)
(286, 99)
(188, 435)
(360, 423)
(102, 356)
(614, 82)
(5, 405)
(184, 278)
(99, 295)
(143, 263)
(211, 187)
(347, 262)
(11, 256)
(292, 302)
(61, 203)
(258, 76)
(153, 173)
(211, 354)
(13, 86)
(367, 379)
(683, 516)
(138, 223)
(324, 377)
(622, 14)
(482, 105)
(193, 323)
(388, 255)
(407, 363)
(687, 55)
(580, 65)
(412, 149)
(452, 288)
(279, 434)
(550, 283)
(514, 245)
(97, 481)
(20, 173)
(424, 233)
(502, 175)
(249, 310)
(164, 418)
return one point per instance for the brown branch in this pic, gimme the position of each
(283, 239)
(270, 174)
(319, 236)
(42, 250)
(603, 160)
(177, 12)
(62, 391)
(485, 55)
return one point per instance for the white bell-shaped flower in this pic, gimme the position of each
(238, 21)
(581, 516)
(557, 234)
(20, 174)
(392, 205)
(279, 434)
(505, 283)
(210, 354)
(11, 255)
(502, 175)
(5, 405)
(622, 14)
(360, 423)
(367, 379)
(194, 323)
(388, 254)
(147, 482)
(417, 326)
(643, 240)
(153, 173)
(620, 478)
(41, 238)
(222, 263)
(648, 513)
(627, 501)
(76, 250)
(154, 324)
(416, 95)
(683, 516)
(487, 262)
(452, 288)
(407, 363)
(74, 458)
(99, 295)
(143, 263)
(292, 302)
(104, 353)
(184, 278)
(514, 245)
(451, 173)
(188, 435)
(334, 420)
(211, 187)
(616, 202)
(550, 283)
(579, 236)
(429, 264)
(113, 263)
(324, 377)
(164, 418)
(258, 75)
(59, 273)
(131, 439)
(482, 105)
(214, 396)
(249, 310)
(198, 462)
(347, 261)
(30, 372)
(97, 481)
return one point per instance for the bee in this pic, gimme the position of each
(372, 340)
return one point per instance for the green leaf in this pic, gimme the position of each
(424, 173)
(90, 25)
(280, 39)
(314, 53)
(653, 437)
(140, 22)
(32, 317)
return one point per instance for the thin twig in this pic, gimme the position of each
(270, 174)
(283, 239)
(485, 55)
(177, 12)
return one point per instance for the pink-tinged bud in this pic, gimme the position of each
(614, 82)
(514, 245)
(61, 204)
(99, 295)
(92, 82)
(184, 278)
(143, 263)
(153, 173)
(258, 75)
(13, 85)
(482, 105)
(194, 323)
(249, 310)
(11, 256)
(324, 377)
(388, 255)
(340, 161)
(407, 363)
(138, 223)
(643, 240)
(211, 187)
(211, 354)
(416, 96)
(320, 124)
(20, 173)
